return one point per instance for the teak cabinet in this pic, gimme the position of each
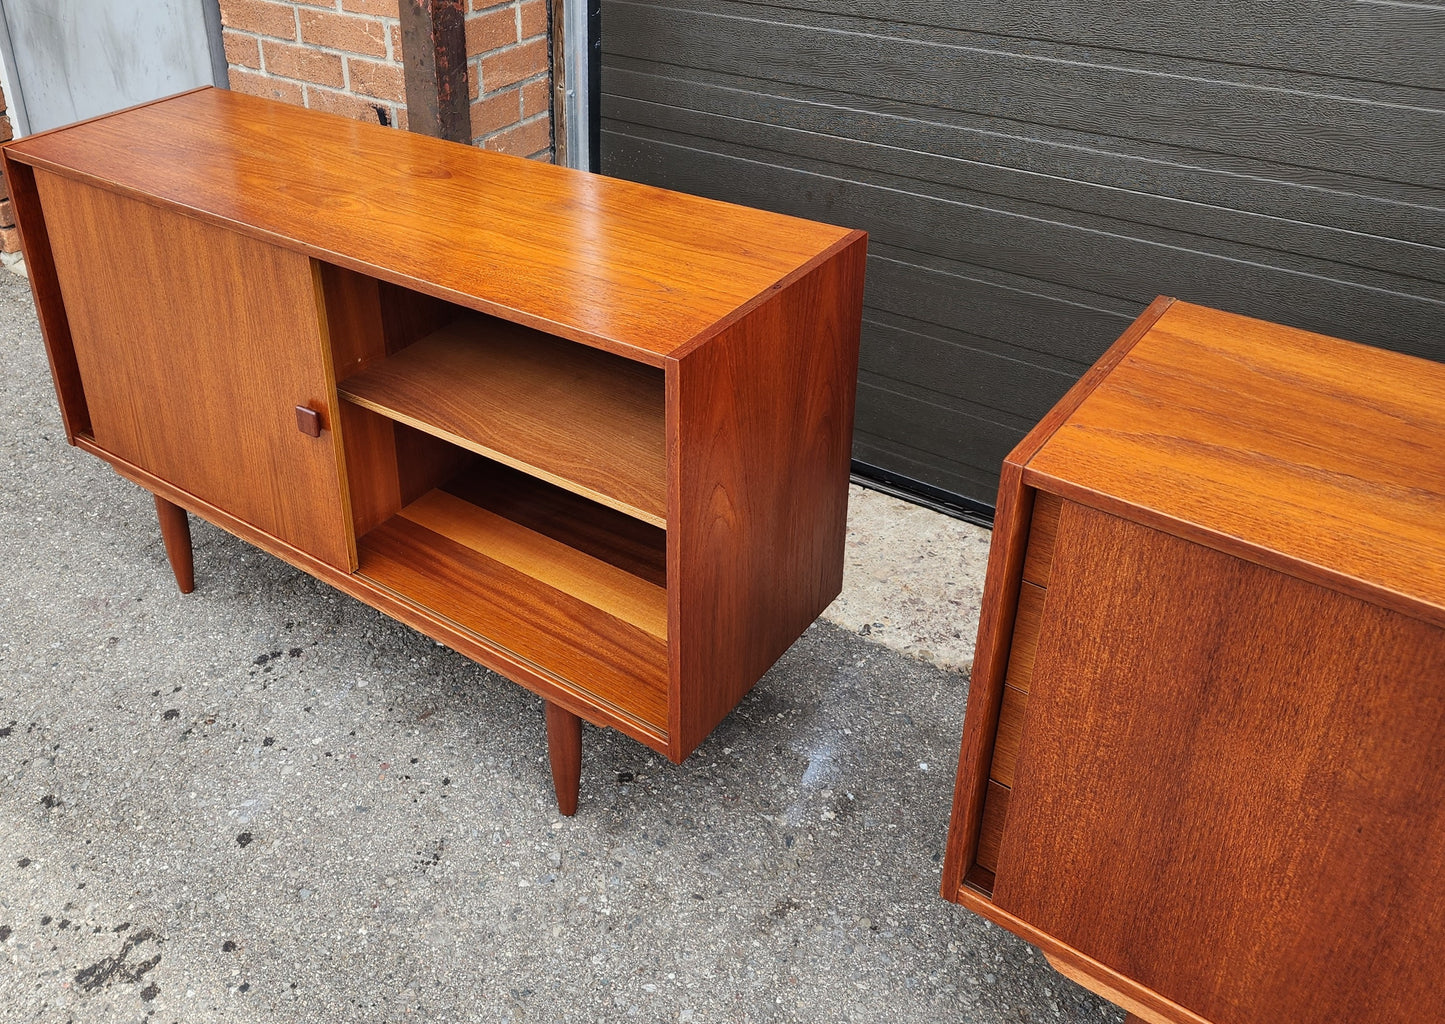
(592, 434)
(1203, 764)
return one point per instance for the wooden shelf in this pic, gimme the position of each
(577, 417)
(572, 611)
(593, 435)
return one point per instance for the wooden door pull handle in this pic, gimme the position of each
(308, 421)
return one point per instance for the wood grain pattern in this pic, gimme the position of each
(616, 662)
(148, 333)
(592, 529)
(351, 322)
(1010, 731)
(1274, 767)
(990, 836)
(427, 621)
(718, 353)
(425, 462)
(564, 751)
(758, 500)
(1139, 1011)
(560, 566)
(1006, 556)
(608, 263)
(45, 289)
(1043, 526)
(1086, 971)
(577, 417)
(1234, 432)
(1027, 619)
(176, 536)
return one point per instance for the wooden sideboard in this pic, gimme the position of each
(1203, 763)
(592, 434)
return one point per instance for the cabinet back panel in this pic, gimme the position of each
(1270, 749)
(194, 353)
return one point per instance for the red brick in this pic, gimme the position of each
(374, 78)
(241, 50)
(401, 117)
(474, 80)
(395, 32)
(4, 188)
(264, 85)
(380, 8)
(537, 97)
(354, 107)
(9, 239)
(7, 214)
(7, 131)
(523, 139)
(495, 113)
(534, 18)
(511, 66)
(302, 63)
(487, 5)
(354, 34)
(491, 31)
(544, 157)
(263, 16)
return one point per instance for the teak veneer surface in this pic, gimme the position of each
(560, 566)
(614, 537)
(1239, 431)
(606, 262)
(488, 576)
(1230, 786)
(194, 371)
(582, 419)
(756, 524)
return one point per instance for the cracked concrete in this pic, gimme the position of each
(267, 802)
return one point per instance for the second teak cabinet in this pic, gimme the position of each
(592, 434)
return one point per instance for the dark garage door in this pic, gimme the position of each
(1033, 172)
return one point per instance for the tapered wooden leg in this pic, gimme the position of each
(564, 746)
(176, 533)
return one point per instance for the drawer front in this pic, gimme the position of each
(1229, 784)
(195, 349)
(1038, 558)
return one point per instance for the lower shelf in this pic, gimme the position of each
(547, 579)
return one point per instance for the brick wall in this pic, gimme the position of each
(9, 236)
(508, 70)
(345, 56)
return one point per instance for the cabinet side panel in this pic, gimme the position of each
(45, 288)
(195, 352)
(352, 320)
(760, 427)
(1230, 785)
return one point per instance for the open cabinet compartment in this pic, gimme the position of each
(512, 483)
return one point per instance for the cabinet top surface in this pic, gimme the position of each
(612, 263)
(1311, 449)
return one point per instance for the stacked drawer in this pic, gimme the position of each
(1042, 530)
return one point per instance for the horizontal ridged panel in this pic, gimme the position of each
(1031, 175)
